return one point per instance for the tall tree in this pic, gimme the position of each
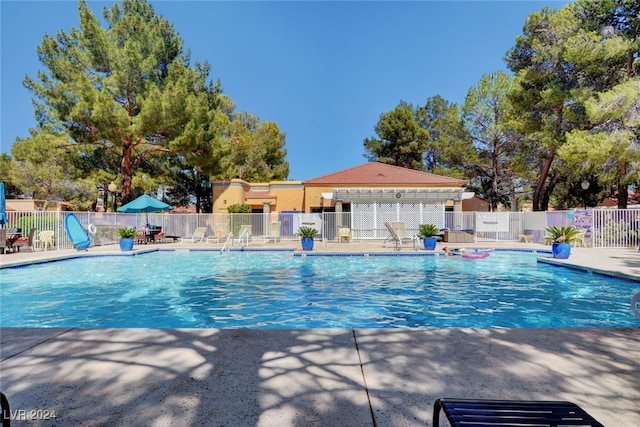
(486, 113)
(256, 151)
(609, 18)
(548, 98)
(127, 88)
(42, 170)
(607, 47)
(611, 149)
(450, 150)
(401, 140)
(6, 176)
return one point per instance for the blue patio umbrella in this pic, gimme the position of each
(144, 204)
(3, 205)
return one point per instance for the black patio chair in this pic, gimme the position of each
(482, 412)
(5, 417)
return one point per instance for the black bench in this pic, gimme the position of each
(472, 412)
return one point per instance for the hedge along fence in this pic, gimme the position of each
(242, 216)
(38, 221)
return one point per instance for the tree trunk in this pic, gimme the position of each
(126, 169)
(623, 191)
(494, 177)
(546, 196)
(105, 197)
(544, 174)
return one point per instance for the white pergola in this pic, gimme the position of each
(406, 195)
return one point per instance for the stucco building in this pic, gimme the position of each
(366, 183)
(363, 197)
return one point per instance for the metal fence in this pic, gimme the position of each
(605, 228)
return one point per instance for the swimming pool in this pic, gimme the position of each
(277, 290)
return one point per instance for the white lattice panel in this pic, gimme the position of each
(370, 217)
(363, 220)
(433, 213)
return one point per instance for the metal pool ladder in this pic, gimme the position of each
(226, 243)
(243, 237)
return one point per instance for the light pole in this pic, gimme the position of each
(112, 189)
(585, 186)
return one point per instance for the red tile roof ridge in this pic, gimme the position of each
(374, 170)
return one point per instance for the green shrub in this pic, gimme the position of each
(428, 230)
(244, 208)
(127, 232)
(563, 234)
(307, 232)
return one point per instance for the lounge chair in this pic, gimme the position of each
(344, 233)
(31, 238)
(244, 235)
(398, 235)
(220, 235)
(525, 238)
(46, 239)
(469, 413)
(20, 242)
(273, 235)
(3, 240)
(197, 237)
(140, 237)
(580, 239)
(393, 237)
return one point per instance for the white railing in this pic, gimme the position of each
(606, 228)
(227, 242)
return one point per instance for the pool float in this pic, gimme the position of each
(475, 255)
(92, 229)
(76, 233)
(472, 251)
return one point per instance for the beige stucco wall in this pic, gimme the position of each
(281, 195)
(35, 205)
(290, 195)
(476, 204)
(312, 197)
(227, 193)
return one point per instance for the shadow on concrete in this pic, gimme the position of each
(333, 377)
(406, 371)
(189, 377)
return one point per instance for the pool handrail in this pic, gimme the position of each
(226, 243)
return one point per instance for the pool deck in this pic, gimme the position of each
(314, 377)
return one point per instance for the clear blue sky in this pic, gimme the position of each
(323, 71)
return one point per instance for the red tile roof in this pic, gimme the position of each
(375, 173)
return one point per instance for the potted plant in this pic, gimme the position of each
(126, 238)
(306, 236)
(561, 238)
(428, 232)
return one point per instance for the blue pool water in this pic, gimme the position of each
(277, 290)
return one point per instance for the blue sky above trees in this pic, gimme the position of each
(323, 71)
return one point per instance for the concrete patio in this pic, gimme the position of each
(318, 377)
